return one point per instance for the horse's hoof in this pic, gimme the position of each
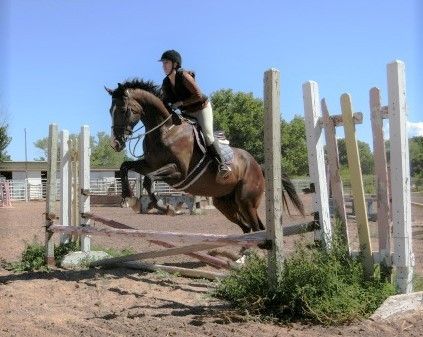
(132, 202)
(170, 210)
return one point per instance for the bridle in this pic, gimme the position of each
(127, 138)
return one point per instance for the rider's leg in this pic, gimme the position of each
(205, 119)
(223, 169)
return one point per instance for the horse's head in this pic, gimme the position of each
(126, 112)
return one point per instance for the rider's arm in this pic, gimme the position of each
(165, 95)
(191, 85)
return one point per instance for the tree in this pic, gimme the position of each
(416, 156)
(4, 142)
(240, 115)
(102, 154)
(366, 156)
(294, 147)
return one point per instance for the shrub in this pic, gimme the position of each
(314, 285)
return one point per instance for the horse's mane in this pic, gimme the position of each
(137, 83)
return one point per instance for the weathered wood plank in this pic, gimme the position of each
(64, 182)
(51, 191)
(173, 270)
(316, 158)
(84, 182)
(337, 119)
(357, 185)
(203, 257)
(273, 175)
(156, 254)
(334, 173)
(248, 240)
(381, 172)
(400, 176)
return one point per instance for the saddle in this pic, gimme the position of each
(206, 160)
(227, 152)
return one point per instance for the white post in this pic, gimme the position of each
(272, 148)
(51, 191)
(400, 177)
(64, 183)
(84, 178)
(316, 158)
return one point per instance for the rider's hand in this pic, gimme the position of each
(176, 118)
(176, 105)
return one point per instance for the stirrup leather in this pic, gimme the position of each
(224, 170)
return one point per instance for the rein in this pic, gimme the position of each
(142, 135)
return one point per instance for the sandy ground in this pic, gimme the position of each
(122, 302)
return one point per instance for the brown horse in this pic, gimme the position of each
(172, 154)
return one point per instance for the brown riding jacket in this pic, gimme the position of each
(185, 90)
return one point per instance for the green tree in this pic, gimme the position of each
(42, 144)
(416, 156)
(240, 115)
(102, 154)
(366, 156)
(4, 142)
(294, 147)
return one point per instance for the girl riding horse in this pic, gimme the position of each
(180, 91)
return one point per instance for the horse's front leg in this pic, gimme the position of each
(169, 171)
(140, 166)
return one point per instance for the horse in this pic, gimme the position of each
(172, 154)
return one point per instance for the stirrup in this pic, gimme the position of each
(224, 170)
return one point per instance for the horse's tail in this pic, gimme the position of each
(292, 193)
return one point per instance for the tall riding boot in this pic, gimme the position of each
(223, 170)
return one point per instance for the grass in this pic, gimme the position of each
(33, 256)
(417, 283)
(314, 286)
(115, 252)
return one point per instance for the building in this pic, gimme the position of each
(28, 179)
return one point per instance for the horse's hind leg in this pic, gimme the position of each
(227, 206)
(247, 199)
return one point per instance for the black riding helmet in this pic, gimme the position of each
(172, 55)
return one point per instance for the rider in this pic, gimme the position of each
(180, 91)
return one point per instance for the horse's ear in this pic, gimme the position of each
(110, 91)
(127, 93)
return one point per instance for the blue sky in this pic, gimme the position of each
(56, 56)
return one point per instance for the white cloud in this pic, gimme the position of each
(415, 129)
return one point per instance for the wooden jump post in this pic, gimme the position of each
(400, 208)
(273, 162)
(73, 186)
(273, 175)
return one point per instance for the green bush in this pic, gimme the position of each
(33, 256)
(314, 285)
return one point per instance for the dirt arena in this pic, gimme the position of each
(122, 302)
